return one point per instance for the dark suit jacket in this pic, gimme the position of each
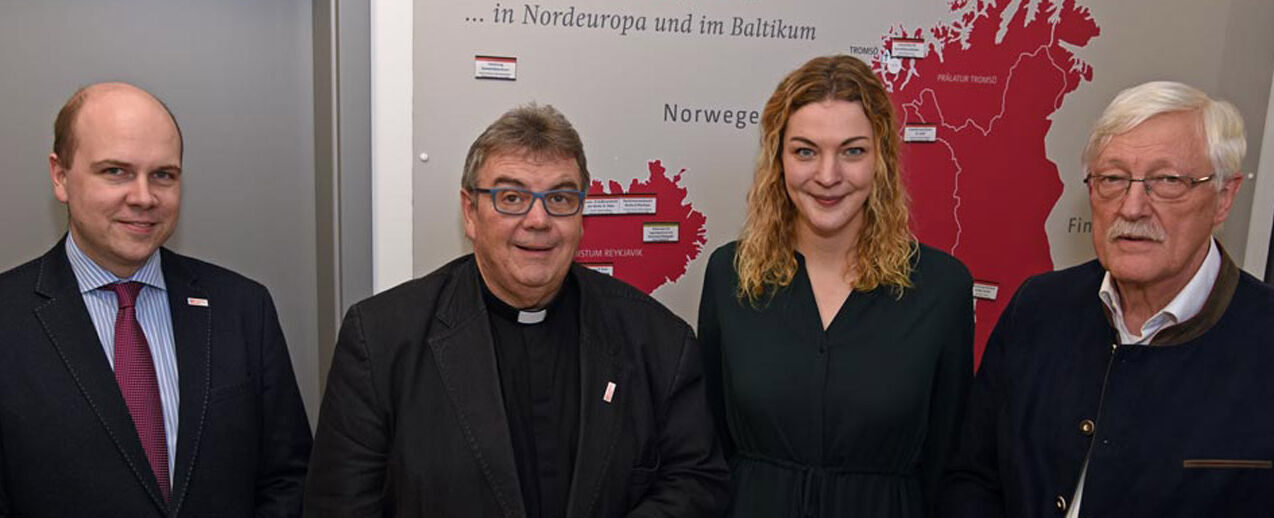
(67, 444)
(413, 424)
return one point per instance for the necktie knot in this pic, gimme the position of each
(126, 292)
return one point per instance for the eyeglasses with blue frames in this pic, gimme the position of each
(516, 202)
(1159, 187)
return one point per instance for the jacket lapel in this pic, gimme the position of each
(192, 337)
(70, 330)
(464, 352)
(600, 419)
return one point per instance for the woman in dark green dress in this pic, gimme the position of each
(838, 349)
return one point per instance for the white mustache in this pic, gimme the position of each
(1144, 229)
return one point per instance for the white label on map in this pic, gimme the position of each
(643, 205)
(908, 48)
(494, 67)
(615, 205)
(920, 133)
(985, 291)
(893, 65)
(595, 206)
(660, 232)
(608, 269)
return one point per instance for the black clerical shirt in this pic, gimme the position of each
(537, 353)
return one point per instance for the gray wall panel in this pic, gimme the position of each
(238, 74)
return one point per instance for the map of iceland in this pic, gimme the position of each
(975, 96)
(645, 234)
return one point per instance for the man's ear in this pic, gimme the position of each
(469, 210)
(57, 174)
(1225, 198)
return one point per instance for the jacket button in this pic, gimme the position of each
(1061, 503)
(1086, 427)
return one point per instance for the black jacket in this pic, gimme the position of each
(413, 424)
(67, 443)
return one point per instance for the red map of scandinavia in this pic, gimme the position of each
(646, 234)
(989, 83)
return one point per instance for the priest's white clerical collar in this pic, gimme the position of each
(532, 317)
(526, 317)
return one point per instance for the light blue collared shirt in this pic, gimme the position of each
(153, 315)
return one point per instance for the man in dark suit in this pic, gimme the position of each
(512, 382)
(135, 381)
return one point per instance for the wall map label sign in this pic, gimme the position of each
(920, 133)
(660, 232)
(985, 290)
(608, 269)
(603, 205)
(907, 48)
(495, 67)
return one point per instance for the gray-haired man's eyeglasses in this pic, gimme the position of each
(1160, 187)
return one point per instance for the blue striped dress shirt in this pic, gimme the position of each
(153, 315)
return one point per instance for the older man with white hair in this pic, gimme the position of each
(1137, 384)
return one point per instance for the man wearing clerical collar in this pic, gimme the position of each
(512, 382)
(1137, 384)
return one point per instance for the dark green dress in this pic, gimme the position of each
(857, 420)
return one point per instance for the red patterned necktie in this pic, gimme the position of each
(135, 373)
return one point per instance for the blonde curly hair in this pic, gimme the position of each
(765, 259)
